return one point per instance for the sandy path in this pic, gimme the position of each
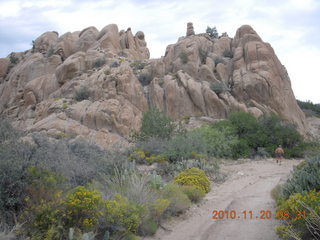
(247, 188)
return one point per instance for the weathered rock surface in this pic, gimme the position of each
(258, 75)
(96, 84)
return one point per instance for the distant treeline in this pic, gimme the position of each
(310, 108)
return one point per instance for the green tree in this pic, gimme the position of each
(212, 32)
(156, 123)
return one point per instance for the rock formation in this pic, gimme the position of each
(97, 84)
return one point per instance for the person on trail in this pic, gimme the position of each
(279, 154)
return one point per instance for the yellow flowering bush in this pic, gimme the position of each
(83, 208)
(141, 156)
(193, 177)
(138, 155)
(122, 215)
(156, 158)
(298, 211)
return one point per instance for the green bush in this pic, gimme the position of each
(82, 94)
(136, 187)
(99, 63)
(218, 60)
(159, 207)
(43, 185)
(156, 124)
(15, 159)
(138, 65)
(228, 53)
(193, 177)
(148, 227)
(123, 216)
(277, 193)
(305, 178)
(216, 143)
(50, 52)
(262, 136)
(203, 54)
(14, 59)
(184, 57)
(179, 202)
(309, 108)
(241, 149)
(212, 32)
(145, 78)
(182, 146)
(219, 87)
(193, 193)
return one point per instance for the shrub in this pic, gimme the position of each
(157, 124)
(305, 178)
(123, 216)
(184, 57)
(217, 143)
(302, 209)
(138, 65)
(135, 187)
(241, 149)
(50, 52)
(82, 94)
(182, 146)
(228, 53)
(179, 202)
(277, 193)
(218, 60)
(107, 72)
(13, 59)
(219, 87)
(193, 193)
(145, 78)
(43, 185)
(309, 108)
(203, 54)
(194, 177)
(45, 221)
(99, 63)
(153, 145)
(115, 64)
(159, 207)
(148, 227)
(138, 155)
(210, 167)
(212, 32)
(15, 159)
(83, 208)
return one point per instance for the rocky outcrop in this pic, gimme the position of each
(97, 84)
(190, 30)
(258, 76)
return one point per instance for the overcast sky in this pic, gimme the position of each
(292, 27)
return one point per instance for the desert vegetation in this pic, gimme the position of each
(309, 108)
(70, 189)
(298, 202)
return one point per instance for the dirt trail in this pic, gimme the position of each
(247, 188)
